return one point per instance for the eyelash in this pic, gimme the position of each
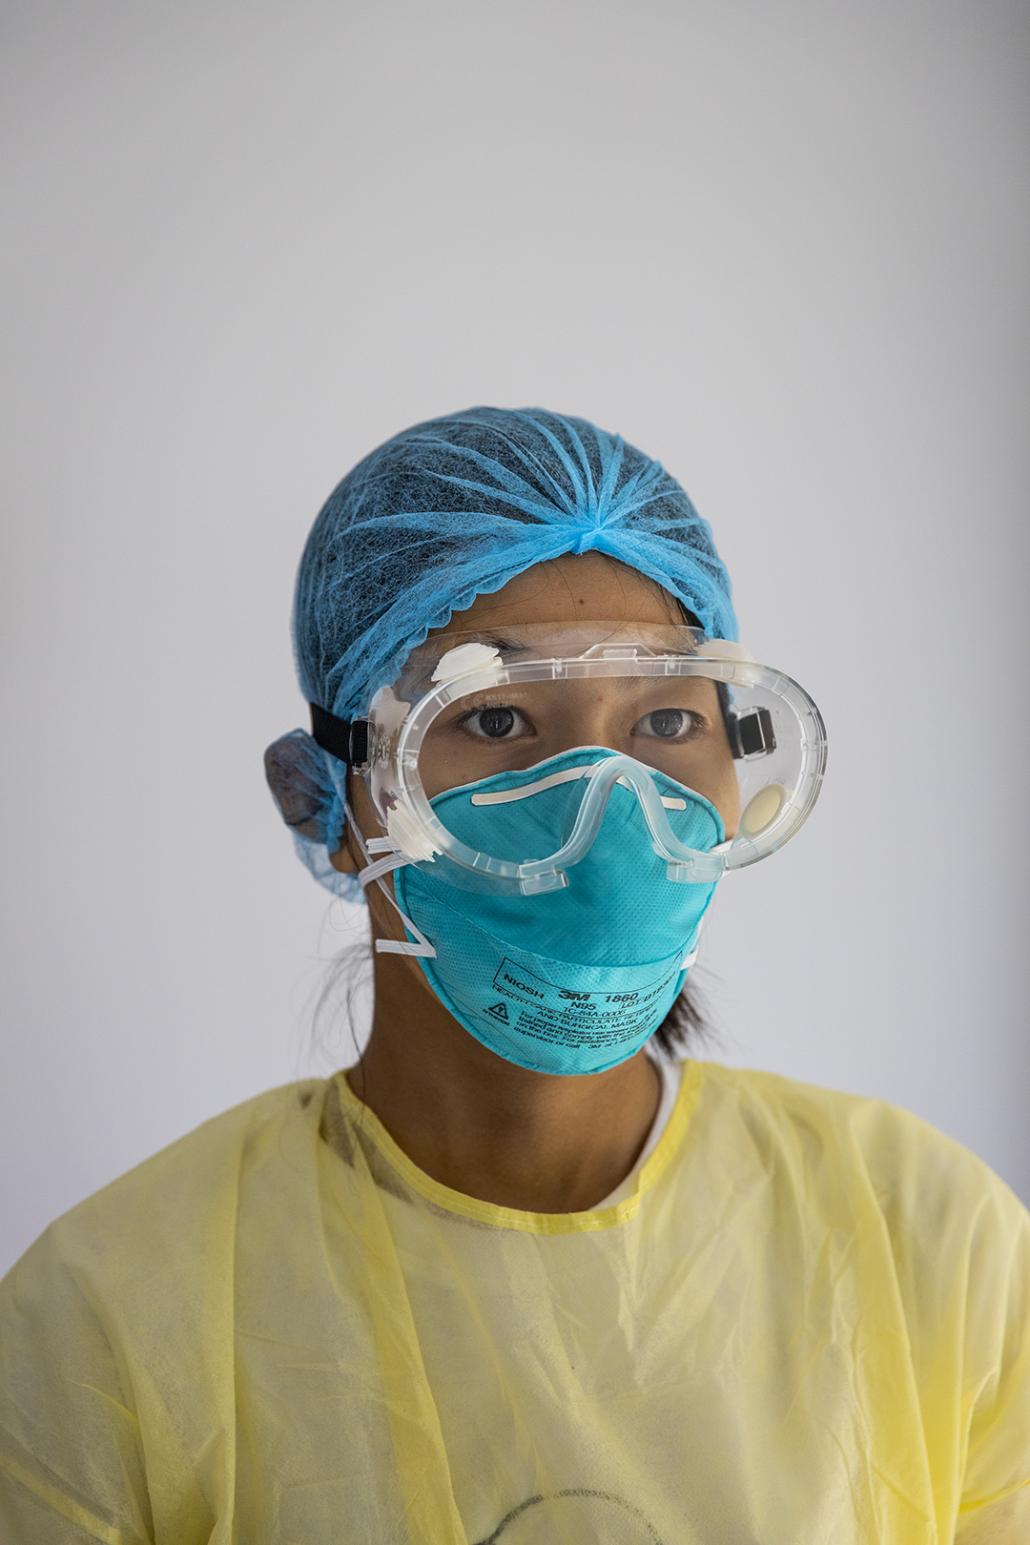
(700, 723)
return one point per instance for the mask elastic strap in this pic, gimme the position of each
(372, 874)
(686, 964)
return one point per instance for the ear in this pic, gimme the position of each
(347, 858)
(303, 791)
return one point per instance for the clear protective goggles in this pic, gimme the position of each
(664, 698)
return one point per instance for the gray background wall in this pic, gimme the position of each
(783, 249)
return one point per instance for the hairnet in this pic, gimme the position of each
(447, 510)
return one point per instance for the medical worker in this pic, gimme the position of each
(528, 1270)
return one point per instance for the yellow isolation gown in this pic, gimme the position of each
(806, 1323)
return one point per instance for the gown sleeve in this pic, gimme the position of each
(71, 1462)
(995, 1502)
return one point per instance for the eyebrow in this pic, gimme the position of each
(495, 640)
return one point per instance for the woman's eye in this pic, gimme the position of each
(496, 721)
(672, 723)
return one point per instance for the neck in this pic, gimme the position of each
(488, 1128)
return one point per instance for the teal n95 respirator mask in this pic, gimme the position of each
(559, 803)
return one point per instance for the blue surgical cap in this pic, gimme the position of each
(447, 510)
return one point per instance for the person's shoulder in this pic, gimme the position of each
(935, 1237)
(122, 1310)
(180, 1197)
(914, 1167)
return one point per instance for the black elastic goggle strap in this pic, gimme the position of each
(749, 734)
(752, 734)
(347, 741)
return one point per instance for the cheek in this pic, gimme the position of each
(360, 801)
(432, 769)
(727, 802)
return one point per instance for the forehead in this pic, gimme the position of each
(567, 589)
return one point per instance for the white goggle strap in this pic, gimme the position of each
(372, 874)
